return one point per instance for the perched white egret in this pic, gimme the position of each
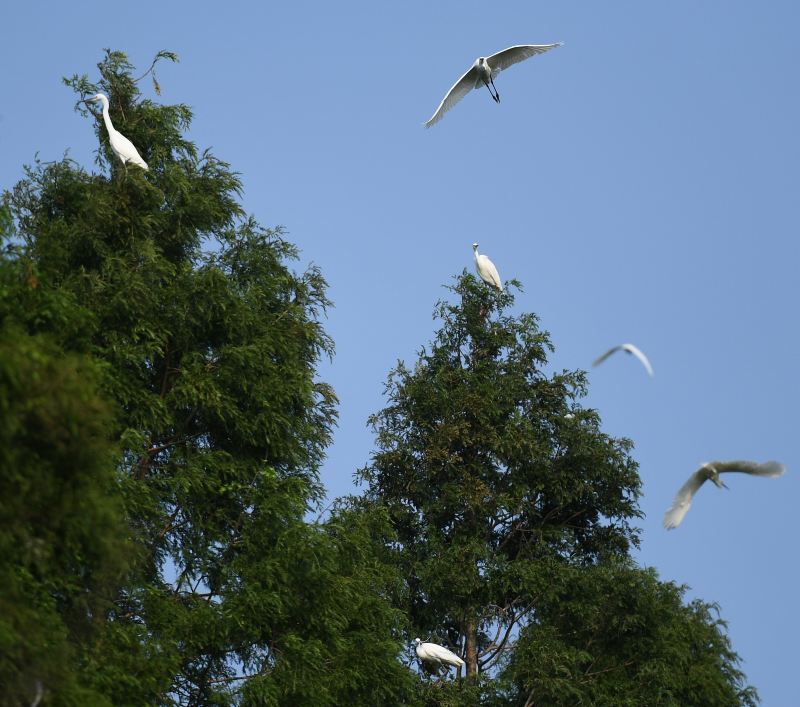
(712, 470)
(569, 416)
(487, 270)
(482, 73)
(434, 653)
(123, 147)
(631, 349)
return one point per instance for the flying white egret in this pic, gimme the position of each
(712, 470)
(487, 270)
(631, 349)
(482, 73)
(123, 147)
(434, 653)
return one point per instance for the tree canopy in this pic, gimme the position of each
(208, 345)
(162, 428)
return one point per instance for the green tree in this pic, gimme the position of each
(208, 344)
(62, 540)
(615, 635)
(502, 492)
(490, 488)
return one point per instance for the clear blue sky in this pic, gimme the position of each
(641, 181)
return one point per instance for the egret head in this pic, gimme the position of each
(474, 246)
(97, 97)
(417, 641)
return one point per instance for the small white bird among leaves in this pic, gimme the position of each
(631, 349)
(711, 471)
(487, 270)
(122, 147)
(482, 73)
(439, 655)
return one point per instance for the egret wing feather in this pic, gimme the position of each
(459, 89)
(126, 149)
(640, 355)
(513, 55)
(602, 358)
(770, 469)
(683, 499)
(489, 272)
(441, 654)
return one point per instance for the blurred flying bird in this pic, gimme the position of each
(631, 349)
(712, 470)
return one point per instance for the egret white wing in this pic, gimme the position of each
(771, 469)
(602, 358)
(126, 149)
(638, 353)
(459, 89)
(442, 654)
(490, 271)
(508, 57)
(683, 499)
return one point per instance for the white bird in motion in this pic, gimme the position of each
(439, 655)
(487, 270)
(712, 470)
(482, 73)
(122, 147)
(631, 349)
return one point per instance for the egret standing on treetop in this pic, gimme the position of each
(483, 71)
(712, 470)
(123, 147)
(434, 653)
(487, 270)
(631, 349)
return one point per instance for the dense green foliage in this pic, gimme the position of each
(511, 517)
(208, 344)
(62, 542)
(615, 635)
(161, 431)
(490, 488)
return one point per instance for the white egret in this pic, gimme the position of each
(487, 270)
(434, 653)
(482, 73)
(631, 349)
(712, 470)
(123, 147)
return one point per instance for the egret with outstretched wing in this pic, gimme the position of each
(711, 471)
(482, 73)
(631, 349)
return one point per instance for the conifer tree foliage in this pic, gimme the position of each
(614, 634)
(490, 488)
(62, 541)
(208, 345)
(512, 515)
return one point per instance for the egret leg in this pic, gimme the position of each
(495, 98)
(497, 93)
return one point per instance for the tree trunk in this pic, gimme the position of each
(471, 646)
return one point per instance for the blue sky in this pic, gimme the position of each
(641, 182)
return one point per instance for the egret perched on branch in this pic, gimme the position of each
(487, 270)
(631, 349)
(123, 147)
(482, 73)
(439, 655)
(712, 470)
